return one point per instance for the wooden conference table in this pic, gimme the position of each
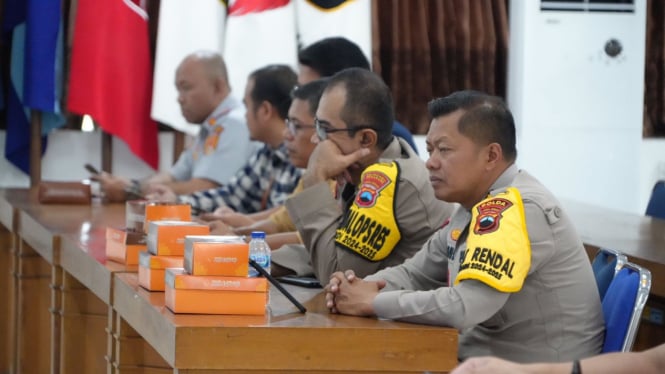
(68, 310)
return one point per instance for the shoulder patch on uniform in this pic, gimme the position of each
(498, 249)
(489, 215)
(372, 183)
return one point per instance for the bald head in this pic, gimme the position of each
(212, 62)
(202, 83)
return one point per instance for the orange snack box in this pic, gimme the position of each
(152, 269)
(216, 255)
(155, 211)
(167, 238)
(209, 294)
(123, 245)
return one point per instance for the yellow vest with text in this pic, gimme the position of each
(498, 250)
(370, 227)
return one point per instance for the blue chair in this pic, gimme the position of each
(404, 133)
(605, 265)
(623, 305)
(656, 206)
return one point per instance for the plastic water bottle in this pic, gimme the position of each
(259, 251)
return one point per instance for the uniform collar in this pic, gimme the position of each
(505, 179)
(227, 105)
(394, 150)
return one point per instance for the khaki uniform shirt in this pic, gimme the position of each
(281, 216)
(556, 316)
(317, 215)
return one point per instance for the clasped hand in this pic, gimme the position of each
(348, 294)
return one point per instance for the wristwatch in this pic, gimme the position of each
(133, 191)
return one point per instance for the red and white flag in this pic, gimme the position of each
(258, 33)
(351, 19)
(111, 73)
(184, 27)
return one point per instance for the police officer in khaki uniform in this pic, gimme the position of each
(518, 284)
(384, 209)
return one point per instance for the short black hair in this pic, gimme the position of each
(486, 118)
(273, 83)
(310, 92)
(368, 102)
(331, 55)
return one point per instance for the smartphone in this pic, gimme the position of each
(309, 282)
(91, 169)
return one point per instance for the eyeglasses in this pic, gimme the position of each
(322, 130)
(293, 125)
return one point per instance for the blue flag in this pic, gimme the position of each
(35, 74)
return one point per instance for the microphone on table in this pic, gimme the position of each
(276, 283)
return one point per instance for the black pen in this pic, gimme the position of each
(281, 289)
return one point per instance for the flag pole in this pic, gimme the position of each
(107, 152)
(35, 147)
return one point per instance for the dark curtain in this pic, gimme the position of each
(654, 85)
(429, 48)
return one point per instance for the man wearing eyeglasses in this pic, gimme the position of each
(509, 270)
(384, 208)
(297, 141)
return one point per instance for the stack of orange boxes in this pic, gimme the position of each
(124, 244)
(152, 269)
(166, 247)
(156, 211)
(214, 280)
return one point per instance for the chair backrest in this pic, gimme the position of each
(623, 305)
(605, 265)
(656, 206)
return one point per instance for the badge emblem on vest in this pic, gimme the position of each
(373, 182)
(489, 215)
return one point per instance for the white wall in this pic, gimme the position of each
(69, 150)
